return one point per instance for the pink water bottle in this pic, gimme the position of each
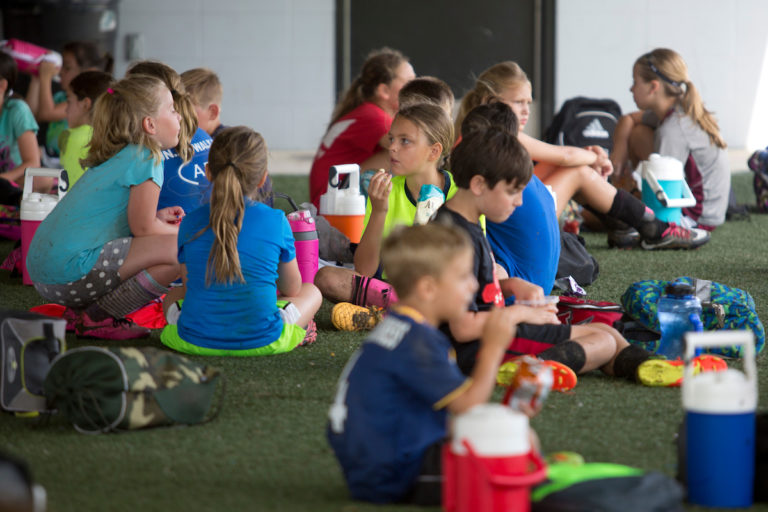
(28, 56)
(306, 243)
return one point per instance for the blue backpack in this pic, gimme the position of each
(723, 308)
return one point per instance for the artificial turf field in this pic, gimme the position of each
(267, 449)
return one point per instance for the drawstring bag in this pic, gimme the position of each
(108, 389)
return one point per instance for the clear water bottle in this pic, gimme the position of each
(679, 312)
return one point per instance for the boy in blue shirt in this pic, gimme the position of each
(388, 419)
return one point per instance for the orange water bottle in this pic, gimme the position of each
(344, 208)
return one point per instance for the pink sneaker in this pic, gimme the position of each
(109, 328)
(311, 335)
(71, 316)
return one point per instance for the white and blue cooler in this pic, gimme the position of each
(720, 424)
(665, 190)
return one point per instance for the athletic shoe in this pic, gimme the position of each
(109, 328)
(311, 335)
(563, 378)
(346, 316)
(71, 316)
(623, 238)
(664, 373)
(677, 237)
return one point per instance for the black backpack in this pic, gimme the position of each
(584, 122)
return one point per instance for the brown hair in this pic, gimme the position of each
(427, 89)
(668, 67)
(412, 252)
(118, 116)
(237, 163)
(203, 86)
(91, 85)
(495, 114)
(181, 102)
(380, 67)
(489, 85)
(495, 154)
(88, 56)
(434, 122)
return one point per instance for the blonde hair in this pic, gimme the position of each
(203, 86)
(489, 85)
(118, 117)
(668, 67)
(412, 252)
(237, 163)
(380, 67)
(434, 122)
(182, 103)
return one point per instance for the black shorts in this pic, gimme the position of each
(427, 491)
(529, 339)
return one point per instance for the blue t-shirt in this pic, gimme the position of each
(94, 211)
(239, 315)
(390, 405)
(15, 119)
(185, 185)
(527, 244)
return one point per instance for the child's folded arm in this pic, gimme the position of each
(142, 211)
(288, 278)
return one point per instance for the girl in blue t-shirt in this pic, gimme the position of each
(237, 255)
(185, 182)
(105, 250)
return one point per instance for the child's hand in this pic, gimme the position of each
(171, 215)
(524, 290)
(47, 70)
(378, 191)
(603, 164)
(538, 315)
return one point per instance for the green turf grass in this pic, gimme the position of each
(267, 449)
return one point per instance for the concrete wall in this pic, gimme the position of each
(275, 59)
(723, 43)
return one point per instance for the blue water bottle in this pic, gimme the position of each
(679, 312)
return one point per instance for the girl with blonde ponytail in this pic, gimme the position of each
(236, 256)
(185, 183)
(672, 121)
(359, 129)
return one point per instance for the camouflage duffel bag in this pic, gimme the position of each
(105, 389)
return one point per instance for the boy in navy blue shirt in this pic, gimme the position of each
(388, 419)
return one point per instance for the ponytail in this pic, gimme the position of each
(669, 68)
(182, 102)
(237, 165)
(226, 221)
(380, 67)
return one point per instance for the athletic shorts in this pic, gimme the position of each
(290, 337)
(427, 491)
(101, 279)
(529, 339)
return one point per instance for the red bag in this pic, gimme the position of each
(573, 311)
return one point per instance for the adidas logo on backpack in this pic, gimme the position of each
(595, 130)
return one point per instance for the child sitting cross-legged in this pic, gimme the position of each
(236, 255)
(388, 419)
(491, 168)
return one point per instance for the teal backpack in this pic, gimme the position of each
(723, 307)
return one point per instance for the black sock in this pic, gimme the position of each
(569, 353)
(629, 209)
(626, 362)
